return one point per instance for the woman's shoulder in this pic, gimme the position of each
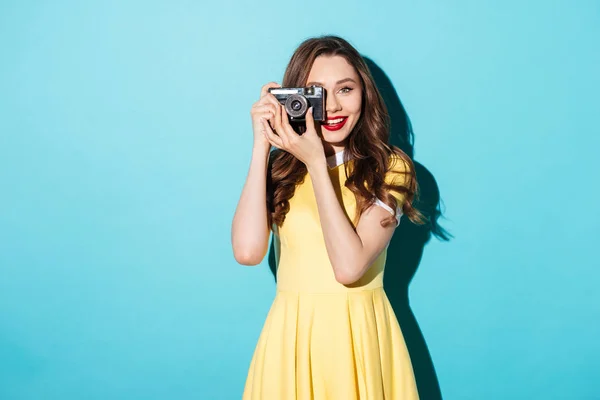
(399, 167)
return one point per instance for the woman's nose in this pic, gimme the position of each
(332, 105)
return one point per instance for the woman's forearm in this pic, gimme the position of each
(249, 229)
(343, 244)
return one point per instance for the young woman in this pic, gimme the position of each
(332, 192)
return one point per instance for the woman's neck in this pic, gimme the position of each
(332, 149)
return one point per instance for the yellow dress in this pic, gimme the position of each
(323, 340)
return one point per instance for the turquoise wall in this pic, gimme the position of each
(125, 139)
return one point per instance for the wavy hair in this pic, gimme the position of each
(367, 145)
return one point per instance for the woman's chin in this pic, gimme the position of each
(334, 137)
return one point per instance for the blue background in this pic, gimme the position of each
(125, 139)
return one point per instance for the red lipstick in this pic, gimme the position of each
(334, 127)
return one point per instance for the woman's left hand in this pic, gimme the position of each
(307, 147)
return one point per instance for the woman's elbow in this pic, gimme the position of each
(347, 277)
(249, 258)
(248, 250)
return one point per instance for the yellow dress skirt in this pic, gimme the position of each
(323, 340)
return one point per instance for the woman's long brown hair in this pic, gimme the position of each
(367, 146)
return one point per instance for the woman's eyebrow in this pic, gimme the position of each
(337, 83)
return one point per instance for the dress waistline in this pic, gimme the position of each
(329, 291)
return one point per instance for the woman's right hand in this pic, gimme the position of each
(265, 108)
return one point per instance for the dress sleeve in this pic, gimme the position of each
(396, 175)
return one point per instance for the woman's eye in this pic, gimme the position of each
(345, 89)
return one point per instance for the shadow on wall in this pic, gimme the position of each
(407, 244)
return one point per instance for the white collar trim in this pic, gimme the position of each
(336, 159)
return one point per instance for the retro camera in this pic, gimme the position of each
(296, 101)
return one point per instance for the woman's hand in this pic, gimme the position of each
(307, 147)
(265, 108)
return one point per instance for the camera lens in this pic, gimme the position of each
(296, 105)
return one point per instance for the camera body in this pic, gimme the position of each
(297, 101)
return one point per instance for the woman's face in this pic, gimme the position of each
(343, 98)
